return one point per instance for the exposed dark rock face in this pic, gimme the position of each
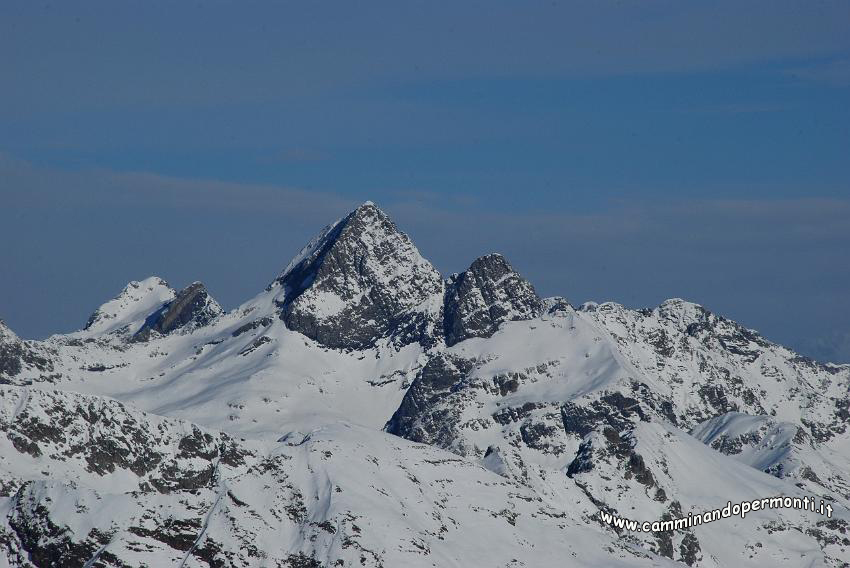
(192, 306)
(612, 445)
(690, 549)
(46, 543)
(109, 437)
(137, 297)
(256, 344)
(251, 326)
(555, 305)
(612, 409)
(17, 355)
(361, 281)
(557, 410)
(488, 293)
(416, 418)
(731, 336)
(172, 490)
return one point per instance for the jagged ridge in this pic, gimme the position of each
(590, 407)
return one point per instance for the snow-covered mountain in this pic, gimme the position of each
(363, 411)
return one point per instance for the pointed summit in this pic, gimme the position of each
(6, 333)
(488, 293)
(192, 307)
(17, 355)
(136, 301)
(359, 281)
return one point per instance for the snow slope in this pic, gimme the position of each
(131, 307)
(171, 433)
(173, 494)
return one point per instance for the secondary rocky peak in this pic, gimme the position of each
(682, 312)
(136, 301)
(488, 293)
(17, 355)
(193, 306)
(359, 281)
(6, 333)
(9, 351)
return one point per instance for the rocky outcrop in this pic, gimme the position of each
(782, 449)
(577, 410)
(17, 355)
(360, 281)
(112, 486)
(136, 302)
(193, 307)
(488, 293)
(729, 368)
(426, 414)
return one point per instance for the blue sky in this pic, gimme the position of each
(622, 151)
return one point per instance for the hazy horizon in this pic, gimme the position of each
(611, 152)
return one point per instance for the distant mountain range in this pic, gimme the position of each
(362, 410)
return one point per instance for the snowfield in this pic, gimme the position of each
(364, 411)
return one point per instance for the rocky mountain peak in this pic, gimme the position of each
(9, 348)
(6, 334)
(682, 313)
(359, 281)
(650, 414)
(17, 355)
(192, 306)
(136, 301)
(488, 293)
